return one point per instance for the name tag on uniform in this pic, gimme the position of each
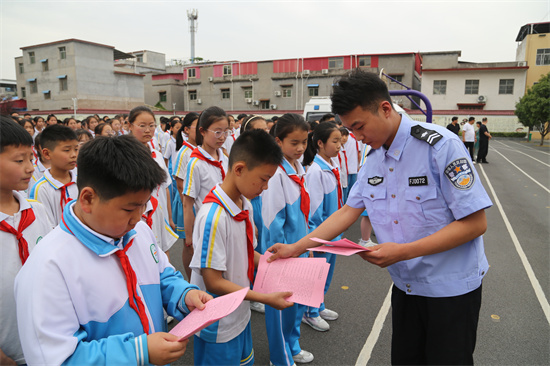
(374, 181)
(418, 181)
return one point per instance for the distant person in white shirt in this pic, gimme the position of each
(469, 136)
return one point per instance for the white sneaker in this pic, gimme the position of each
(257, 306)
(328, 314)
(303, 357)
(366, 243)
(169, 319)
(316, 323)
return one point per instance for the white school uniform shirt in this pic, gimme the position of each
(165, 236)
(201, 177)
(38, 173)
(10, 263)
(219, 242)
(229, 141)
(351, 147)
(160, 191)
(364, 154)
(180, 164)
(163, 140)
(47, 191)
(340, 162)
(170, 150)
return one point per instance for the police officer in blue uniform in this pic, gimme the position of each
(427, 206)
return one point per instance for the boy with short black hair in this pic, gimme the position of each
(57, 187)
(22, 224)
(105, 307)
(224, 256)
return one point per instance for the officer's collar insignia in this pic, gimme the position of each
(460, 173)
(374, 181)
(430, 136)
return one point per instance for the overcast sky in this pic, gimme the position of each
(263, 30)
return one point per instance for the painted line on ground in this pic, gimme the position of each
(530, 273)
(518, 168)
(530, 148)
(366, 352)
(515, 150)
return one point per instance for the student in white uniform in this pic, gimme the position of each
(343, 163)
(58, 185)
(353, 150)
(207, 165)
(224, 256)
(17, 216)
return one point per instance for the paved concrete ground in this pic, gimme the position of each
(513, 327)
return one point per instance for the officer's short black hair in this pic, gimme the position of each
(255, 147)
(54, 134)
(114, 166)
(13, 134)
(359, 88)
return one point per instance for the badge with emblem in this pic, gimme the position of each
(154, 253)
(460, 173)
(374, 181)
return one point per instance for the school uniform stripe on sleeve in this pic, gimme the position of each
(189, 181)
(209, 235)
(169, 229)
(34, 190)
(179, 160)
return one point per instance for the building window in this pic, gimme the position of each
(62, 53)
(139, 58)
(398, 77)
(226, 94)
(287, 92)
(192, 95)
(23, 92)
(314, 91)
(34, 87)
(336, 63)
(162, 96)
(45, 65)
(21, 68)
(191, 73)
(227, 70)
(440, 87)
(248, 92)
(264, 104)
(364, 61)
(543, 56)
(31, 57)
(472, 87)
(47, 94)
(63, 85)
(506, 86)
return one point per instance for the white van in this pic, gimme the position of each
(317, 107)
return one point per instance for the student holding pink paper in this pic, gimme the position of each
(224, 256)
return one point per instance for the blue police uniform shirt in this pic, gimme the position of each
(415, 188)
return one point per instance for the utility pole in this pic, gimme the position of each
(74, 106)
(192, 15)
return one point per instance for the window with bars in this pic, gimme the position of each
(227, 69)
(440, 87)
(192, 95)
(248, 92)
(543, 56)
(287, 92)
(162, 96)
(191, 73)
(314, 91)
(226, 94)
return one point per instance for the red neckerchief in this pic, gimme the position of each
(304, 196)
(149, 216)
(185, 143)
(131, 282)
(27, 218)
(64, 196)
(218, 164)
(242, 216)
(152, 143)
(337, 175)
(356, 143)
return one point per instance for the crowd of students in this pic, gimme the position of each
(87, 252)
(196, 154)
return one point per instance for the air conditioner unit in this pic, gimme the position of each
(210, 78)
(522, 63)
(273, 106)
(324, 71)
(482, 99)
(256, 102)
(305, 72)
(277, 93)
(249, 100)
(199, 101)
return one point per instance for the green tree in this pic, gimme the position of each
(533, 109)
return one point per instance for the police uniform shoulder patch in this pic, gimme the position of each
(460, 174)
(430, 136)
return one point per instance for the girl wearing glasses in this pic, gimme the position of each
(207, 165)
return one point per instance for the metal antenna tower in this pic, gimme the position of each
(192, 15)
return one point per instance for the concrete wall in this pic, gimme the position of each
(488, 86)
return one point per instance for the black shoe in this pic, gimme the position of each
(485, 162)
